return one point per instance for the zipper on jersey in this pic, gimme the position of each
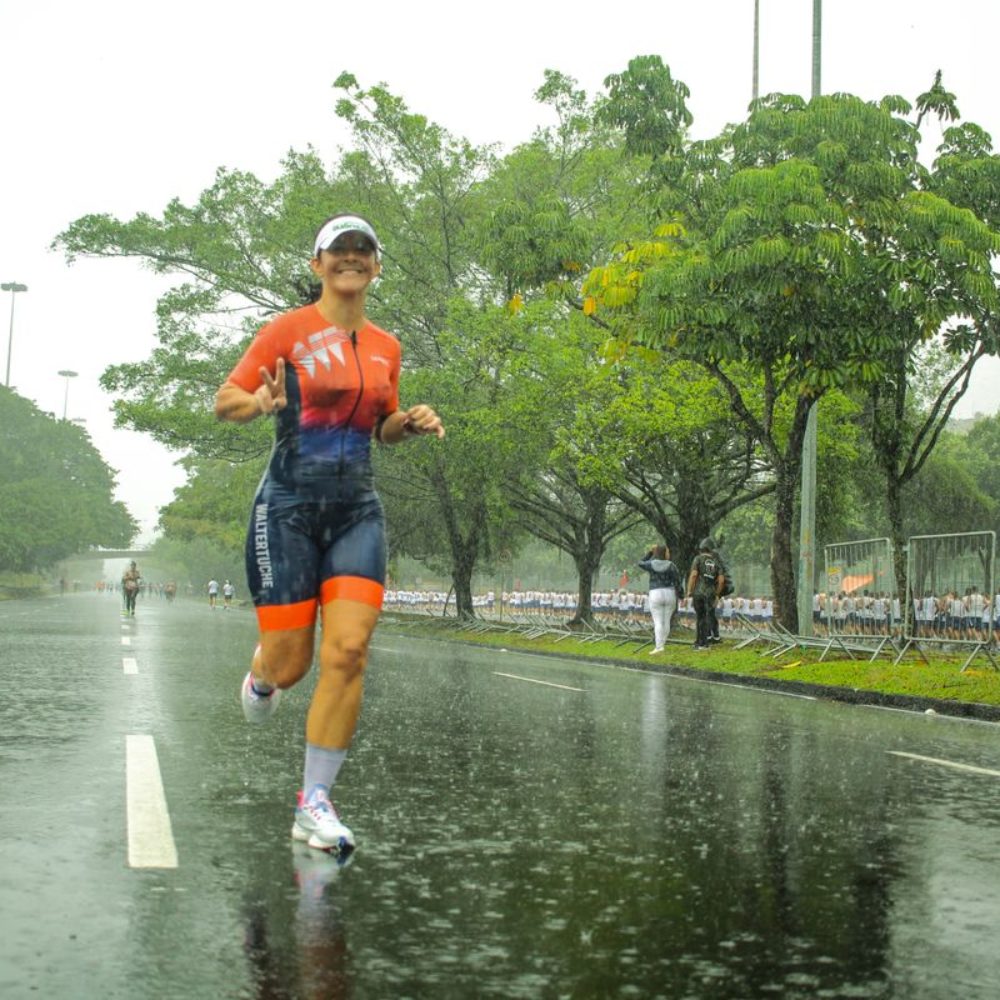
(357, 402)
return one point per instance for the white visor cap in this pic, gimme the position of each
(343, 224)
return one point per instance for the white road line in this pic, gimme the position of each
(126, 640)
(939, 717)
(712, 680)
(130, 665)
(946, 763)
(531, 680)
(150, 837)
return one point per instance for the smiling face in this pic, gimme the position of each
(349, 265)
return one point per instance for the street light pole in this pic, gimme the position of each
(67, 375)
(13, 287)
(817, 46)
(807, 505)
(756, 49)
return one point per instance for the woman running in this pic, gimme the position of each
(316, 540)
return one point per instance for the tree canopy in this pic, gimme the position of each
(56, 494)
(614, 320)
(810, 243)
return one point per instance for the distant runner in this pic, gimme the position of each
(130, 587)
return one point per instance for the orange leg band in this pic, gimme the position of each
(281, 617)
(352, 588)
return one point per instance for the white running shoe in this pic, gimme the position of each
(257, 708)
(317, 823)
(653, 652)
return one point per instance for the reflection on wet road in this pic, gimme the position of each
(526, 827)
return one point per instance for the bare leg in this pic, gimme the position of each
(283, 658)
(336, 702)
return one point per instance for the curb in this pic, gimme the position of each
(850, 696)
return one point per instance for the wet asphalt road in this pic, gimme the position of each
(619, 835)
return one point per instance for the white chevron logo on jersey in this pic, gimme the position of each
(321, 346)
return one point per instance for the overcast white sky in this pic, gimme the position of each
(118, 107)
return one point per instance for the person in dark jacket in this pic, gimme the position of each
(727, 588)
(705, 583)
(665, 589)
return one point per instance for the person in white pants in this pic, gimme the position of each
(665, 588)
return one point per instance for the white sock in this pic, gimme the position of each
(321, 767)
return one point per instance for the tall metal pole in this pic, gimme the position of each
(817, 46)
(756, 49)
(13, 287)
(807, 513)
(10, 338)
(67, 375)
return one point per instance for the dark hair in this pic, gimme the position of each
(308, 290)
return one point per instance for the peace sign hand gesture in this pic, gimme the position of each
(271, 395)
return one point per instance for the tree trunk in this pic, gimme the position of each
(464, 549)
(585, 593)
(587, 556)
(694, 526)
(461, 578)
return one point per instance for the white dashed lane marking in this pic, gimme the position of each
(947, 763)
(130, 665)
(531, 680)
(150, 836)
(126, 640)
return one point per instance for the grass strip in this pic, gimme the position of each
(939, 681)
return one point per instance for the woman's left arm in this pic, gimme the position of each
(417, 420)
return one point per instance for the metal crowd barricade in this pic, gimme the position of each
(752, 634)
(861, 608)
(950, 593)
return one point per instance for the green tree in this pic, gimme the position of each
(213, 504)
(238, 251)
(446, 501)
(240, 248)
(424, 187)
(983, 455)
(805, 243)
(559, 391)
(558, 203)
(944, 497)
(928, 255)
(664, 442)
(56, 495)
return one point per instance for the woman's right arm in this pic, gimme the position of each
(236, 404)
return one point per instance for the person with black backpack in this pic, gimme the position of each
(705, 584)
(727, 588)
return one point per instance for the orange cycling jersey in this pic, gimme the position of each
(339, 385)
